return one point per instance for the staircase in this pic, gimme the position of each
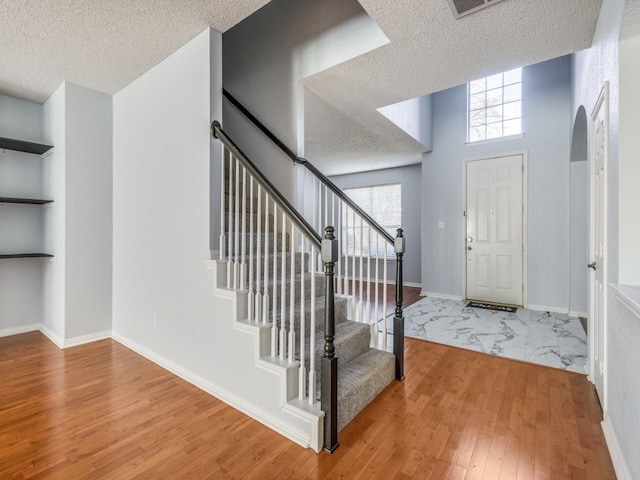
(333, 358)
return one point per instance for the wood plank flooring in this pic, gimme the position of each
(100, 411)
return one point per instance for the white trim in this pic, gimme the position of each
(388, 282)
(617, 457)
(47, 332)
(295, 434)
(525, 220)
(543, 308)
(8, 332)
(516, 136)
(445, 296)
(92, 337)
(573, 313)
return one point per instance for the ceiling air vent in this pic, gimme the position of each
(465, 7)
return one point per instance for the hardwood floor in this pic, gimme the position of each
(101, 411)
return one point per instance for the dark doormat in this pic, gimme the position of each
(492, 306)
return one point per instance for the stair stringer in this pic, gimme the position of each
(291, 410)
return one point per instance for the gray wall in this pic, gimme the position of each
(546, 123)
(262, 67)
(21, 226)
(409, 177)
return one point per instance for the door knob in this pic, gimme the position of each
(592, 265)
(469, 239)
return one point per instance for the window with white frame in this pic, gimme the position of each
(384, 204)
(495, 106)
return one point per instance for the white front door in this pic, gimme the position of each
(494, 246)
(598, 277)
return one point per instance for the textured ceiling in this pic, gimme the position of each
(106, 45)
(429, 51)
(103, 45)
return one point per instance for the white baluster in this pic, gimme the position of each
(377, 287)
(345, 210)
(223, 161)
(230, 223)
(236, 248)
(274, 303)
(361, 300)
(243, 264)
(259, 243)
(292, 296)
(340, 240)
(312, 333)
(302, 377)
(283, 289)
(265, 296)
(368, 312)
(353, 273)
(252, 287)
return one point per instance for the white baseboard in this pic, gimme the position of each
(297, 435)
(7, 332)
(92, 337)
(444, 296)
(47, 332)
(573, 313)
(542, 308)
(617, 458)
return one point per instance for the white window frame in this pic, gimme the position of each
(353, 248)
(501, 87)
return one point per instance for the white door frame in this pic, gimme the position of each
(602, 102)
(525, 249)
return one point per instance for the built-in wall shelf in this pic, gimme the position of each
(25, 255)
(23, 146)
(28, 201)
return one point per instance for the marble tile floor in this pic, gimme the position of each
(550, 339)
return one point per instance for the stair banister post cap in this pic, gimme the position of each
(399, 245)
(329, 246)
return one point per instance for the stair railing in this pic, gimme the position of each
(259, 230)
(364, 249)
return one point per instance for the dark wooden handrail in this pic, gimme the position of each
(302, 161)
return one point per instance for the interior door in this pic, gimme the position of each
(598, 277)
(494, 247)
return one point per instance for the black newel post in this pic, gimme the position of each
(398, 320)
(329, 361)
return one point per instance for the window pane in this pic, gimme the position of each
(513, 127)
(477, 117)
(512, 93)
(512, 110)
(494, 130)
(477, 100)
(513, 76)
(478, 85)
(383, 204)
(494, 114)
(477, 133)
(494, 97)
(494, 81)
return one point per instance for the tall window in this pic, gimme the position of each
(495, 106)
(384, 204)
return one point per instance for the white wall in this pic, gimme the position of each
(629, 161)
(409, 177)
(161, 158)
(546, 123)
(88, 190)
(414, 116)
(54, 131)
(21, 226)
